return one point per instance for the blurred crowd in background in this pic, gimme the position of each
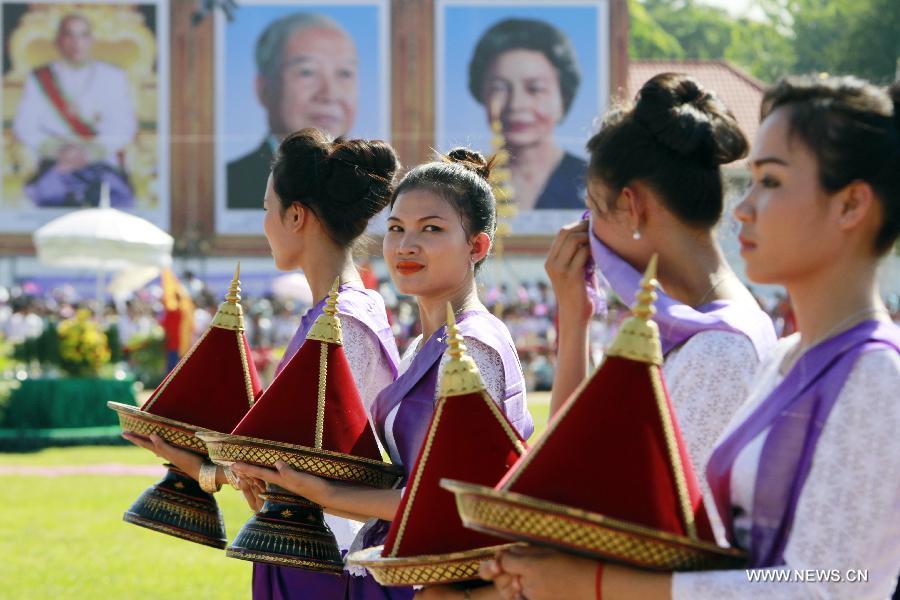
(147, 332)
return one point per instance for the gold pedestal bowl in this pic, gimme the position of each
(522, 518)
(175, 505)
(290, 530)
(431, 569)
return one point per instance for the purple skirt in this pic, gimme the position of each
(286, 583)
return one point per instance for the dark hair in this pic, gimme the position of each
(462, 178)
(853, 128)
(526, 34)
(344, 182)
(673, 139)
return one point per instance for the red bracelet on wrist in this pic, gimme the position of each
(598, 581)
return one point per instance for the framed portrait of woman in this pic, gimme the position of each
(285, 65)
(85, 108)
(529, 78)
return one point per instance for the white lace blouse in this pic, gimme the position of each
(371, 373)
(371, 370)
(708, 378)
(848, 513)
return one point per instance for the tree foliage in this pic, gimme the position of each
(793, 36)
(859, 37)
(648, 39)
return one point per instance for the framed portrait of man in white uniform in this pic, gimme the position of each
(85, 106)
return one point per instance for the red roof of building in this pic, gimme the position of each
(740, 92)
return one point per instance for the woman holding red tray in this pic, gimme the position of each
(440, 229)
(319, 199)
(806, 474)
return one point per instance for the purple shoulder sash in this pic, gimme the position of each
(366, 306)
(426, 359)
(414, 391)
(679, 322)
(796, 411)
(479, 325)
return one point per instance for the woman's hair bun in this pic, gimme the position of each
(360, 176)
(305, 144)
(345, 182)
(689, 120)
(472, 160)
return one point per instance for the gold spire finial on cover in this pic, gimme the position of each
(638, 338)
(230, 314)
(460, 375)
(327, 327)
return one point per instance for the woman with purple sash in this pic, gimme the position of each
(807, 474)
(440, 230)
(319, 199)
(655, 187)
(373, 359)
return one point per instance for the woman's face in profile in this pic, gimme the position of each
(790, 226)
(521, 89)
(277, 232)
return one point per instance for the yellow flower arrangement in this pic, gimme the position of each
(83, 347)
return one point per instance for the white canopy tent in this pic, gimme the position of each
(109, 241)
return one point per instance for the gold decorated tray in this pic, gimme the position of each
(134, 420)
(523, 518)
(431, 569)
(225, 449)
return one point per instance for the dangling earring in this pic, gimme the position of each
(636, 235)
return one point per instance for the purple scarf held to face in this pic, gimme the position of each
(679, 322)
(796, 410)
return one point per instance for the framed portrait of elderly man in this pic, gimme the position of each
(283, 66)
(85, 106)
(528, 78)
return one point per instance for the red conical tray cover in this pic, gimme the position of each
(470, 439)
(213, 385)
(288, 409)
(616, 450)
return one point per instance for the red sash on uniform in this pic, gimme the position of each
(50, 86)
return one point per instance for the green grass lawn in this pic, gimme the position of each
(83, 455)
(63, 537)
(540, 411)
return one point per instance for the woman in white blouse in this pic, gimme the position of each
(655, 187)
(807, 475)
(318, 200)
(440, 229)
